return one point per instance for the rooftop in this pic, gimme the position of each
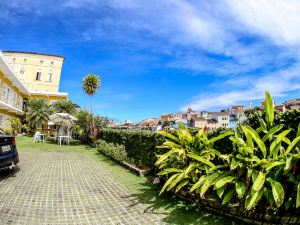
(32, 53)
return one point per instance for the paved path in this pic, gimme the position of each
(67, 188)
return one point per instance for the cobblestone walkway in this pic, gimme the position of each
(67, 188)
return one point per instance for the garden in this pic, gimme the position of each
(250, 173)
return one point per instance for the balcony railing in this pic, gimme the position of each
(10, 100)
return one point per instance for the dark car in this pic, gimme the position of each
(8, 151)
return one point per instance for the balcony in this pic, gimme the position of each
(11, 104)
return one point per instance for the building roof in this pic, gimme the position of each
(292, 102)
(200, 119)
(33, 53)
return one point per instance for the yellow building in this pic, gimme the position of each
(27, 75)
(39, 72)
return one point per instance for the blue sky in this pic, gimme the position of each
(162, 56)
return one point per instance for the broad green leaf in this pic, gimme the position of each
(277, 191)
(258, 141)
(240, 188)
(175, 181)
(209, 181)
(288, 163)
(253, 199)
(272, 132)
(222, 182)
(269, 109)
(248, 136)
(220, 192)
(238, 141)
(166, 155)
(201, 132)
(221, 136)
(234, 164)
(269, 166)
(259, 181)
(292, 145)
(228, 197)
(298, 131)
(168, 135)
(198, 184)
(168, 183)
(298, 196)
(287, 141)
(263, 125)
(205, 187)
(181, 185)
(170, 170)
(201, 159)
(278, 140)
(189, 168)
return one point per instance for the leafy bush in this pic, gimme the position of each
(139, 145)
(261, 168)
(115, 151)
(83, 129)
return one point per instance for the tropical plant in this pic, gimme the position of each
(187, 158)
(262, 165)
(65, 106)
(82, 130)
(15, 124)
(37, 112)
(90, 85)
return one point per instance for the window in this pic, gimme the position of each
(4, 91)
(49, 76)
(38, 75)
(8, 92)
(22, 70)
(14, 94)
(20, 103)
(1, 120)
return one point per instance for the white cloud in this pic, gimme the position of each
(251, 88)
(276, 19)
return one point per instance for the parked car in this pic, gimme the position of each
(8, 151)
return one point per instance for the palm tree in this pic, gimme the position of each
(37, 112)
(65, 106)
(90, 85)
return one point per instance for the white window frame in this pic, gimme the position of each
(49, 76)
(38, 75)
(1, 120)
(22, 70)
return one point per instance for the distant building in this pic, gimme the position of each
(292, 104)
(222, 118)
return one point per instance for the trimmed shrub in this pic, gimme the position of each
(115, 151)
(140, 146)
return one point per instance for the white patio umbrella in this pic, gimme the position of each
(63, 119)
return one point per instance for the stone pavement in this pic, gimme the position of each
(67, 188)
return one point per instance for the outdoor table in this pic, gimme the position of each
(60, 138)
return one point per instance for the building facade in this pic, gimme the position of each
(15, 87)
(40, 73)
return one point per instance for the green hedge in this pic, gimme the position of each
(115, 151)
(140, 146)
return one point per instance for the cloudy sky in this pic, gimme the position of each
(162, 56)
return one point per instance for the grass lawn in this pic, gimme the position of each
(176, 211)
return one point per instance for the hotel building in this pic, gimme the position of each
(25, 75)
